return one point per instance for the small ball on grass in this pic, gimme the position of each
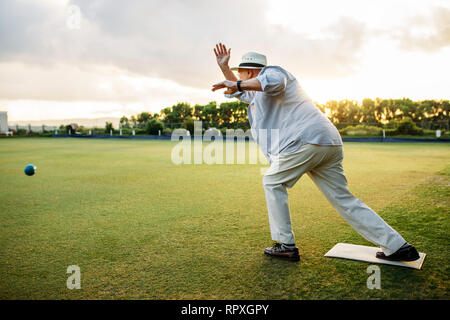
(30, 170)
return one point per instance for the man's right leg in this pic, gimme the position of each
(278, 209)
(283, 173)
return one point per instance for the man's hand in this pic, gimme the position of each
(222, 55)
(230, 85)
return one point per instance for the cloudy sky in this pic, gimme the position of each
(96, 58)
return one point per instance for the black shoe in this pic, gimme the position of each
(408, 253)
(280, 252)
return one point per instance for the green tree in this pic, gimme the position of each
(332, 105)
(167, 116)
(142, 119)
(133, 121)
(153, 126)
(226, 114)
(211, 114)
(198, 112)
(108, 127)
(368, 111)
(182, 111)
(405, 108)
(188, 124)
(124, 122)
(407, 126)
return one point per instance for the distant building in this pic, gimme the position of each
(3, 122)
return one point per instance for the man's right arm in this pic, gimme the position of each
(229, 75)
(223, 57)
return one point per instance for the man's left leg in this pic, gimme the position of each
(331, 180)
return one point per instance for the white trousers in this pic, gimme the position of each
(323, 164)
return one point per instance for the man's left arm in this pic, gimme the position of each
(247, 85)
(271, 82)
(251, 85)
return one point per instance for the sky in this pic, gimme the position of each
(62, 59)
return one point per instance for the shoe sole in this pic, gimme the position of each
(293, 259)
(398, 260)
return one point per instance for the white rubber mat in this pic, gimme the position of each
(367, 254)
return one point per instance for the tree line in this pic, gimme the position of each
(428, 114)
(383, 111)
(227, 115)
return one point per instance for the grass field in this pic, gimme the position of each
(140, 227)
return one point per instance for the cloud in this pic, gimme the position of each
(170, 40)
(135, 51)
(334, 55)
(425, 32)
(98, 83)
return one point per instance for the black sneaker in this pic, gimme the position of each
(280, 252)
(407, 253)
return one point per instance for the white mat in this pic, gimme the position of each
(367, 254)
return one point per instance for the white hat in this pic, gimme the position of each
(252, 60)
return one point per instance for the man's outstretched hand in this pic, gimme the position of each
(222, 55)
(230, 85)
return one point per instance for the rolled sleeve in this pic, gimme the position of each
(273, 82)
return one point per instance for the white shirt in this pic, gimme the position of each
(283, 117)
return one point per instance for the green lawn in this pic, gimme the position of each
(140, 227)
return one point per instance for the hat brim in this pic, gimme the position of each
(245, 67)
